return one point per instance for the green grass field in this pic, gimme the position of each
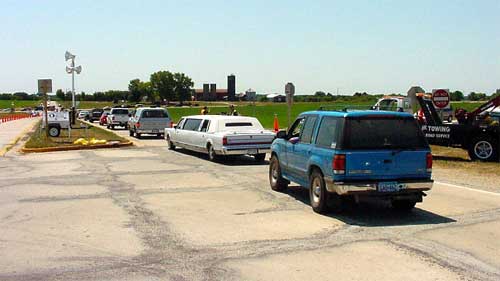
(265, 113)
(18, 103)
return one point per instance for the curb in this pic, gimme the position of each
(138, 144)
(7, 147)
(75, 147)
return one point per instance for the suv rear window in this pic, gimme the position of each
(154, 114)
(383, 133)
(120, 111)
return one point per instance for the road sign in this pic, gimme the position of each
(45, 86)
(441, 97)
(289, 91)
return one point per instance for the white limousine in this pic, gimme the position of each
(219, 135)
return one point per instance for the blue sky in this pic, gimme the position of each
(372, 46)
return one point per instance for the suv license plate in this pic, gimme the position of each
(252, 151)
(391, 186)
(155, 131)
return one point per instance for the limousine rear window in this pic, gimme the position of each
(239, 124)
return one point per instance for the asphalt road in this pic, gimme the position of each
(146, 213)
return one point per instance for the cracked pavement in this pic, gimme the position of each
(146, 213)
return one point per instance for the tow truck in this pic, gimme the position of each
(476, 131)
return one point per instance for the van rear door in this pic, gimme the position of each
(384, 147)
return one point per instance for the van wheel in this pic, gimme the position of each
(403, 205)
(483, 148)
(278, 183)
(112, 127)
(212, 156)
(318, 195)
(137, 135)
(260, 157)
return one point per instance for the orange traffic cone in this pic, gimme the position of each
(276, 124)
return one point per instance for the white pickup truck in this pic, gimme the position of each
(219, 135)
(118, 117)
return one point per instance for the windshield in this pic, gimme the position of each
(383, 133)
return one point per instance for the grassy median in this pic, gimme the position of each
(459, 160)
(39, 140)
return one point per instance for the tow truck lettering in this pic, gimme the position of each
(436, 129)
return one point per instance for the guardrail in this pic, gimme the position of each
(16, 116)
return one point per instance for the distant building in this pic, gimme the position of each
(276, 97)
(211, 93)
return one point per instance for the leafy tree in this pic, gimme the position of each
(163, 84)
(60, 94)
(457, 96)
(320, 94)
(183, 86)
(473, 96)
(134, 87)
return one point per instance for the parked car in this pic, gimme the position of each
(149, 121)
(350, 155)
(117, 117)
(103, 120)
(83, 114)
(219, 135)
(94, 115)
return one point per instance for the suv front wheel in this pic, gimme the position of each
(278, 183)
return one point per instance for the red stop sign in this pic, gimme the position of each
(441, 98)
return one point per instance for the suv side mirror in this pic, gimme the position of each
(294, 140)
(281, 134)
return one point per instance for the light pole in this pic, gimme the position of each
(71, 70)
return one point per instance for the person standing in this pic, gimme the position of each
(204, 110)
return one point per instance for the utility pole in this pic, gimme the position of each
(44, 87)
(71, 70)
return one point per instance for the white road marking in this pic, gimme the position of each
(468, 188)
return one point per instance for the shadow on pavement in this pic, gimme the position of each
(225, 160)
(374, 213)
(150, 137)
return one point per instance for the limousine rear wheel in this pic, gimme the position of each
(278, 183)
(212, 156)
(170, 144)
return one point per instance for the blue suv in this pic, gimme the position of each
(342, 155)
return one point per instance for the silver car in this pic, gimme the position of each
(149, 121)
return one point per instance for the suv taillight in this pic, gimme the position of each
(338, 164)
(224, 141)
(428, 161)
(171, 125)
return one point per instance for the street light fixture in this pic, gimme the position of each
(71, 70)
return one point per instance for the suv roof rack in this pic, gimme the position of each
(344, 108)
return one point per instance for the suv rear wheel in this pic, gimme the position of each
(483, 148)
(278, 183)
(317, 192)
